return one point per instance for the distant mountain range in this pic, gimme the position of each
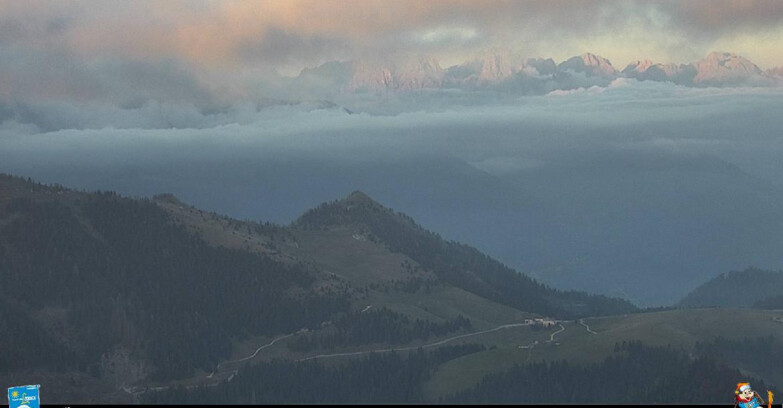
(531, 75)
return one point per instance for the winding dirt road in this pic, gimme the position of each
(217, 368)
(136, 391)
(582, 322)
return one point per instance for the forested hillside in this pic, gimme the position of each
(143, 294)
(458, 264)
(377, 378)
(86, 275)
(746, 288)
(635, 374)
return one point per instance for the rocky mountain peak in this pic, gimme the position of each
(639, 66)
(498, 65)
(589, 64)
(724, 67)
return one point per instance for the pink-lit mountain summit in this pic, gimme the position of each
(507, 69)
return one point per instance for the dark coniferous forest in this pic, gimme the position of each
(378, 378)
(128, 276)
(635, 374)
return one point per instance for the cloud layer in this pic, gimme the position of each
(226, 47)
(738, 124)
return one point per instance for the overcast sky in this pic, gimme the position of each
(53, 48)
(296, 33)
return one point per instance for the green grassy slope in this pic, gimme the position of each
(680, 328)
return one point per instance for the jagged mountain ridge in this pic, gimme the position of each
(725, 68)
(503, 67)
(374, 76)
(647, 70)
(590, 64)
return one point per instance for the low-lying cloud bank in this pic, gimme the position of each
(737, 124)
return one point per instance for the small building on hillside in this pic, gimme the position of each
(545, 321)
(542, 321)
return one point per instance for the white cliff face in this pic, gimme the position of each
(598, 64)
(589, 64)
(717, 68)
(646, 70)
(370, 76)
(723, 68)
(497, 67)
(384, 76)
(639, 66)
(492, 67)
(673, 70)
(422, 73)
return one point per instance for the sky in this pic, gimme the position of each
(296, 33)
(54, 48)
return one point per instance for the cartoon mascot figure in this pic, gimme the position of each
(747, 398)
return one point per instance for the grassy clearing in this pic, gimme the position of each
(445, 303)
(504, 351)
(350, 256)
(680, 328)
